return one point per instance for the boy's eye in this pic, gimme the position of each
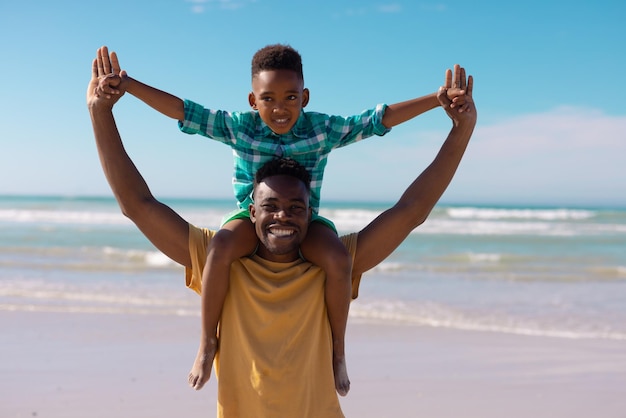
(292, 97)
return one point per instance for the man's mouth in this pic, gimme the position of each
(281, 232)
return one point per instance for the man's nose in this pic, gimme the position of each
(282, 214)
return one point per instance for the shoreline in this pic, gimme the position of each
(119, 365)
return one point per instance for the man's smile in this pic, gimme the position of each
(280, 231)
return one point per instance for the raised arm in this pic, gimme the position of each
(398, 113)
(384, 234)
(159, 223)
(116, 81)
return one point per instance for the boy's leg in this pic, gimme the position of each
(322, 247)
(236, 239)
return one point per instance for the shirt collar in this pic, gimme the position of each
(300, 130)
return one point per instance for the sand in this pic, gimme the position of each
(97, 365)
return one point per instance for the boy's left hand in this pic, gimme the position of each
(112, 82)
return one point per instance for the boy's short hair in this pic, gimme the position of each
(277, 57)
(283, 167)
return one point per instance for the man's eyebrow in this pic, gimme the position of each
(298, 200)
(276, 199)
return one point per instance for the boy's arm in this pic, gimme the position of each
(117, 81)
(164, 102)
(398, 113)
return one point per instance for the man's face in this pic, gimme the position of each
(279, 96)
(281, 216)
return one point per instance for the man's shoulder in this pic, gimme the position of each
(350, 241)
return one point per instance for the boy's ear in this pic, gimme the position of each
(252, 100)
(305, 97)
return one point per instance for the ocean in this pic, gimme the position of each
(539, 271)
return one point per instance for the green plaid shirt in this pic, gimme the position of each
(309, 142)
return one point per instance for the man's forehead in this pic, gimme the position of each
(281, 187)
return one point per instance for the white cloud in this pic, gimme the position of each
(564, 130)
(351, 13)
(362, 11)
(565, 155)
(390, 8)
(434, 7)
(568, 156)
(199, 6)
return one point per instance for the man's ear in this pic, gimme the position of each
(252, 213)
(305, 97)
(252, 100)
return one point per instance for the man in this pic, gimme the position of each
(275, 354)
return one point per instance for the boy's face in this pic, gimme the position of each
(279, 96)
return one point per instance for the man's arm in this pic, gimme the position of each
(384, 234)
(117, 81)
(159, 223)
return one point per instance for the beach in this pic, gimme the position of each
(63, 365)
(483, 311)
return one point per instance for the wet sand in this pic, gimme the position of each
(66, 365)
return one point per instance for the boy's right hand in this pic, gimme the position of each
(114, 80)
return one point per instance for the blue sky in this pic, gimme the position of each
(548, 87)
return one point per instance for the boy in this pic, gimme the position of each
(277, 126)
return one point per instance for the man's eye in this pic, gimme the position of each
(292, 97)
(266, 99)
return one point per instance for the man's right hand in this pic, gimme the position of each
(464, 115)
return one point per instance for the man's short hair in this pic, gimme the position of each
(277, 57)
(283, 167)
